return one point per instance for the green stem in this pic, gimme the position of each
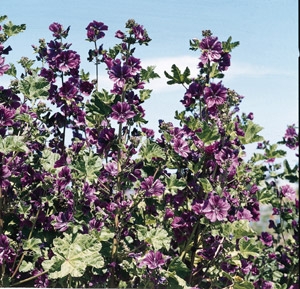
(28, 279)
(97, 66)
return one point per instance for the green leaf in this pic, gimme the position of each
(194, 44)
(33, 244)
(273, 152)
(209, 133)
(12, 143)
(178, 266)
(48, 160)
(12, 71)
(251, 133)
(237, 230)
(2, 18)
(106, 234)
(174, 281)
(72, 255)
(99, 106)
(157, 237)
(26, 266)
(151, 150)
(147, 74)
(178, 77)
(243, 285)
(88, 167)
(266, 195)
(10, 29)
(174, 184)
(145, 94)
(228, 45)
(214, 71)
(249, 247)
(34, 87)
(206, 185)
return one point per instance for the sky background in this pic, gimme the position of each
(264, 68)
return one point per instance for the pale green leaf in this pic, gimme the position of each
(26, 266)
(34, 87)
(157, 237)
(152, 150)
(72, 255)
(12, 143)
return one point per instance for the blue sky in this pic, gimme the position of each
(264, 67)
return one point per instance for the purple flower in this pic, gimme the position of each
(215, 94)
(290, 137)
(267, 285)
(119, 34)
(6, 116)
(122, 112)
(266, 239)
(111, 168)
(86, 87)
(119, 74)
(6, 252)
(68, 91)
(64, 178)
(181, 147)
(3, 67)
(215, 208)
(212, 49)
(134, 64)
(140, 33)
(244, 214)
(95, 30)
(195, 91)
(149, 132)
(224, 61)
(58, 30)
(67, 60)
(96, 224)
(151, 187)
(152, 260)
(42, 280)
(288, 192)
(62, 221)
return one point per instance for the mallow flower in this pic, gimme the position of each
(216, 208)
(122, 112)
(95, 30)
(153, 260)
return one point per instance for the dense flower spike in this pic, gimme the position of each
(92, 197)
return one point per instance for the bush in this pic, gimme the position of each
(89, 197)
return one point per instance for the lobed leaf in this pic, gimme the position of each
(34, 87)
(72, 254)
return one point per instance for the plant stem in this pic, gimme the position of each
(29, 279)
(97, 66)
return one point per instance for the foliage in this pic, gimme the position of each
(89, 197)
